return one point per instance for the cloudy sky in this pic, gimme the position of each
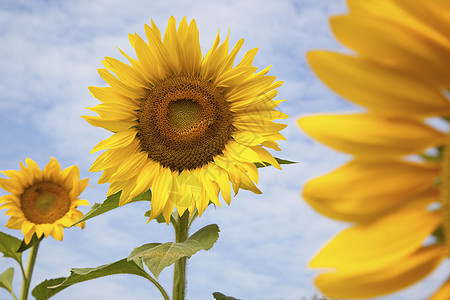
(49, 55)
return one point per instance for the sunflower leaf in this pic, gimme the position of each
(42, 290)
(157, 256)
(279, 160)
(9, 245)
(220, 296)
(48, 288)
(111, 203)
(6, 279)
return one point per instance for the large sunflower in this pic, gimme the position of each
(42, 202)
(184, 125)
(396, 190)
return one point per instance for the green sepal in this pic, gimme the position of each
(34, 240)
(159, 219)
(279, 160)
(111, 203)
(157, 256)
(48, 288)
(220, 296)
(6, 279)
(9, 245)
(439, 235)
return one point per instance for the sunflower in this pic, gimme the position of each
(184, 124)
(396, 189)
(42, 202)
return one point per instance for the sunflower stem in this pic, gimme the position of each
(29, 271)
(179, 272)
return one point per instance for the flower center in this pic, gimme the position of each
(45, 202)
(184, 114)
(445, 192)
(184, 122)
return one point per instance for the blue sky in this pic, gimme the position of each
(49, 55)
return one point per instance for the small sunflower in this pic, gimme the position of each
(396, 190)
(42, 202)
(184, 124)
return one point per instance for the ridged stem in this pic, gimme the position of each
(29, 271)
(179, 272)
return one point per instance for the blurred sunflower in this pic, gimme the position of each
(396, 190)
(42, 202)
(184, 125)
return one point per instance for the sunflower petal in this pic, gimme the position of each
(378, 87)
(371, 134)
(368, 284)
(352, 192)
(378, 244)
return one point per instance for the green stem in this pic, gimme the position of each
(179, 272)
(29, 271)
(160, 288)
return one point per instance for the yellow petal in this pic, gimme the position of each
(167, 211)
(11, 186)
(130, 167)
(111, 125)
(210, 187)
(220, 176)
(146, 178)
(192, 50)
(57, 232)
(113, 111)
(422, 19)
(126, 73)
(242, 152)
(146, 57)
(378, 87)
(117, 140)
(247, 60)
(364, 189)
(114, 157)
(378, 244)
(160, 192)
(397, 45)
(371, 134)
(364, 284)
(266, 156)
(108, 95)
(52, 171)
(120, 87)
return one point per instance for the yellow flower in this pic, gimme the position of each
(396, 190)
(42, 202)
(184, 124)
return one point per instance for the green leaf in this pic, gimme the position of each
(279, 160)
(33, 241)
(6, 279)
(42, 290)
(157, 256)
(48, 288)
(111, 203)
(220, 296)
(9, 245)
